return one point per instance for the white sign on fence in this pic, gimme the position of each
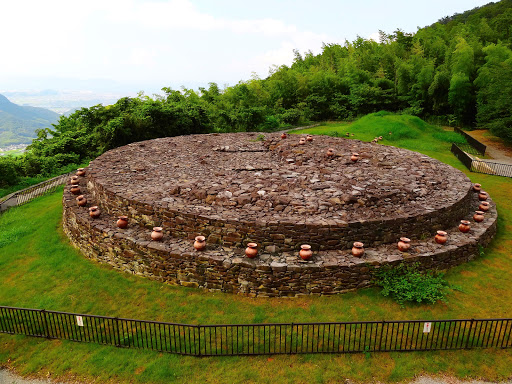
(80, 321)
(427, 327)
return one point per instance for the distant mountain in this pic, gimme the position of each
(18, 124)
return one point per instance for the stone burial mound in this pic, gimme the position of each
(280, 193)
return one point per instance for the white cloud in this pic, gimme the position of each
(137, 40)
(375, 36)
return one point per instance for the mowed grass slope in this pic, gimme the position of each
(40, 269)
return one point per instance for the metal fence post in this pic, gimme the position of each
(45, 321)
(199, 338)
(291, 339)
(118, 344)
(470, 327)
(381, 333)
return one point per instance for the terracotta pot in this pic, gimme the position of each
(305, 252)
(482, 196)
(75, 180)
(75, 190)
(464, 226)
(484, 206)
(478, 216)
(81, 201)
(122, 222)
(441, 237)
(357, 249)
(354, 157)
(200, 243)
(252, 250)
(477, 187)
(309, 138)
(94, 212)
(302, 141)
(157, 234)
(330, 152)
(283, 135)
(80, 172)
(404, 244)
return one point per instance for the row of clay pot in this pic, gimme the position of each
(158, 235)
(464, 226)
(81, 200)
(75, 180)
(441, 237)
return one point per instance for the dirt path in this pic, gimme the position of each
(496, 147)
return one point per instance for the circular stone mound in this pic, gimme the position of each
(276, 190)
(241, 188)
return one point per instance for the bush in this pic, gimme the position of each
(8, 171)
(407, 283)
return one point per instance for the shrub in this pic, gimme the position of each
(407, 283)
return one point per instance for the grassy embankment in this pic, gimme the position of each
(40, 269)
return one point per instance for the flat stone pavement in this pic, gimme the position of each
(7, 377)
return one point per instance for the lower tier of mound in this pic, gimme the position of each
(271, 274)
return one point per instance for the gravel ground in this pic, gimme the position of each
(7, 377)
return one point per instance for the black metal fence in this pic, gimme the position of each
(25, 195)
(260, 339)
(463, 157)
(479, 147)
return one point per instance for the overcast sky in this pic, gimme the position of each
(147, 45)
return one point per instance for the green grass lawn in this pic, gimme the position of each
(40, 269)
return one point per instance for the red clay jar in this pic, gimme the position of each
(75, 180)
(81, 201)
(484, 206)
(157, 234)
(80, 172)
(330, 152)
(404, 244)
(354, 157)
(309, 138)
(441, 237)
(200, 243)
(252, 250)
(477, 187)
(75, 190)
(305, 252)
(302, 141)
(283, 136)
(464, 226)
(122, 222)
(478, 216)
(94, 212)
(357, 249)
(482, 196)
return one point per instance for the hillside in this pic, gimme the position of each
(19, 123)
